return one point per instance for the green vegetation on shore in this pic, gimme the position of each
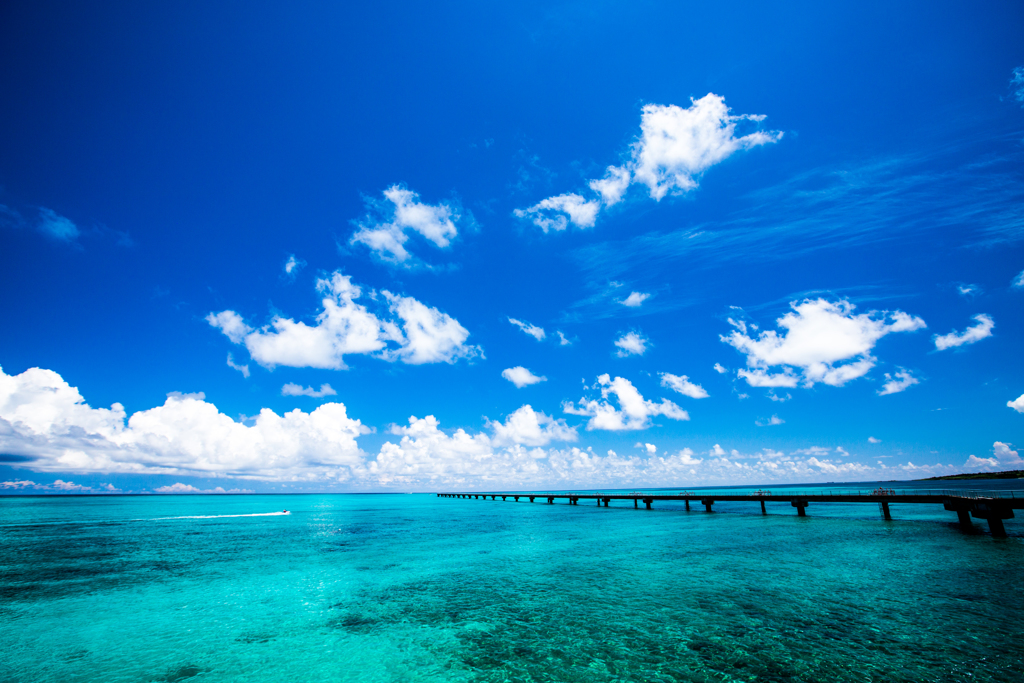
(1009, 474)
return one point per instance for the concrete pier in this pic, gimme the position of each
(992, 507)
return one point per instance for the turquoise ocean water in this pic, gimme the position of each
(416, 588)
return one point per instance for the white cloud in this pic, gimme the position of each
(521, 377)
(982, 329)
(1017, 84)
(1019, 280)
(1006, 455)
(720, 369)
(56, 226)
(633, 413)
(1017, 404)
(683, 385)
(188, 488)
(19, 484)
(772, 396)
(635, 299)
(773, 420)
(46, 420)
(613, 185)
(415, 334)
(648, 447)
(717, 451)
(292, 266)
(562, 339)
(532, 330)
(631, 344)
(897, 382)
(968, 290)
(872, 439)
(675, 147)
(527, 427)
(813, 450)
(555, 213)
(244, 369)
(401, 212)
(291, 389)
(974, 461)
(818, 336)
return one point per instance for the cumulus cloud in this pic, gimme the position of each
(48, 422)
(528, 427)
(411, 332)
(188, 488)
(57, 227)
(897, 382)
(244, 369)
(872, 439)
(974, 461)
(1005, 454)
(675, 147)
(773, 420)
(982, 329)
(634, 412)
(555, 213)
(720, 369)
(562, 339)
(291, 389)
(49, 426)
(521, 377)
(386, 228)
(630, 344)
(818, 337)
(682, 385)
(1019, 280)
(533, 330)
(1017, 404)
(635, 299)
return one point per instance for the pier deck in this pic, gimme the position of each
(992, 506)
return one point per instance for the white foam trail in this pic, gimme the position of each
(254, 514)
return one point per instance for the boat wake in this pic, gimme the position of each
(253, 514)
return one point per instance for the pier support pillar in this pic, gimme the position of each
(503, 497)
(801, 507)
(606, 501)
(965, 518)
(551, 500)
(885, 512)
(763, 511)
(707, 503)
(687, 504)
(516, 498)
(531, 499)
(636, 503)
(647, 502)
(994, 514)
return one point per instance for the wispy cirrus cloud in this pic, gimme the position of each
(980, 202)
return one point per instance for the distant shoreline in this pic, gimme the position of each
(1008, 474)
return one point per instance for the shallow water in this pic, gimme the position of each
(416, 588)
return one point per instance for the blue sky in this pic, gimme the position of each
(417, 247)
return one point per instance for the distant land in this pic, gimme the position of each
(1009, 474)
